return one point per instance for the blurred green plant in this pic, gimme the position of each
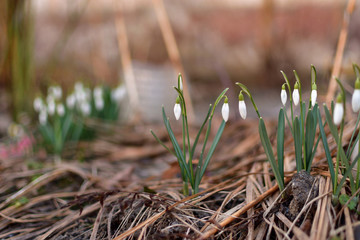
(185, 155)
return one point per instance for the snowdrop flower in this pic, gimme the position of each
(38, 104)
(60, 109)
(99, 103)
(296, 96)
(70, 101)
(355, 101)
(98, 92)
(225, 110)
(80, 95)
(313, 94)
(283, 94)
(51, 105)
(177, 109)
(55, 91)
(43, 117)
(118, 93)
(85, 108)
(79, 86)
(338, 110)
(242, 106)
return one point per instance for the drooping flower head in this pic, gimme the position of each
(355, 101)
(338, 110)
(283, 94)
(225, 110)
(242, 106)
(313, 94)
(296, 95)
(177, 108)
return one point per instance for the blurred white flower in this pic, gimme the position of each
(242, 106)
(70, 101)
(283, 95)
(118, 93)
(60, 109)
(99, 103)
(78, 86)
(98, 92)
(51, 105)
(181, 83)
(43, 117)
(177, 109)
(55, 91)
(38, 104)
(85, 108)
(313, 94)
(338, 111)
(225, 110)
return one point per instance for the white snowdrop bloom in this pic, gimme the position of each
(60, 109)
(296, 95)
(225, 110)
(283, 95)
(242, 106)
(99, 103)
(87, 94)
(38, 104)
(80, 95)
(313, 94)
(177, 109)
(57, 92)
(98, 92)
(118, 93)
(78, 86)
(338, 111)
(85, 108)
(43, 117)
(51, 105)
(70, 101)
(355, 101)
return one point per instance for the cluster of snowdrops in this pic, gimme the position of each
(303, 128)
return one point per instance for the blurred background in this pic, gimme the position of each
(144, 44)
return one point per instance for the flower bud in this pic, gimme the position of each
(296, 95)
(242, 106)
(60, 109)
(355, 101)
(43, 117)
(313, 94)
(38, 104)
(283, 94)
(177, 109)
(225, 110)
(338, 110)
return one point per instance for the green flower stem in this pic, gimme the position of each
(246, 90)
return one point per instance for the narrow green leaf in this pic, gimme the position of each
(212, 148)
(309, 135)
(327, 151)
(280, 142)
(161, 143)
(356, 70)
(265, 141)
(218, 100)
(345, 176)
(352, 137)
(298, 144)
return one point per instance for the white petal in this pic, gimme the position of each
(338, 113)
(43, 117)
(313, 97)
(38, 104)
(355, 102)
(296, 96)
(99, 104)
(283, 96)
(242, 109)
(51, 107)
(60, 109)
(225, 111)
(177, 111)
(70, 101)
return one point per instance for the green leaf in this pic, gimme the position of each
(309, 135)
(265, 141)
(280, 142)
(356, 70)
(298, 144)
(352, 204)
(345, 176)
(327, 151)
(218, 100)
(212, 148)
(162, 144)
